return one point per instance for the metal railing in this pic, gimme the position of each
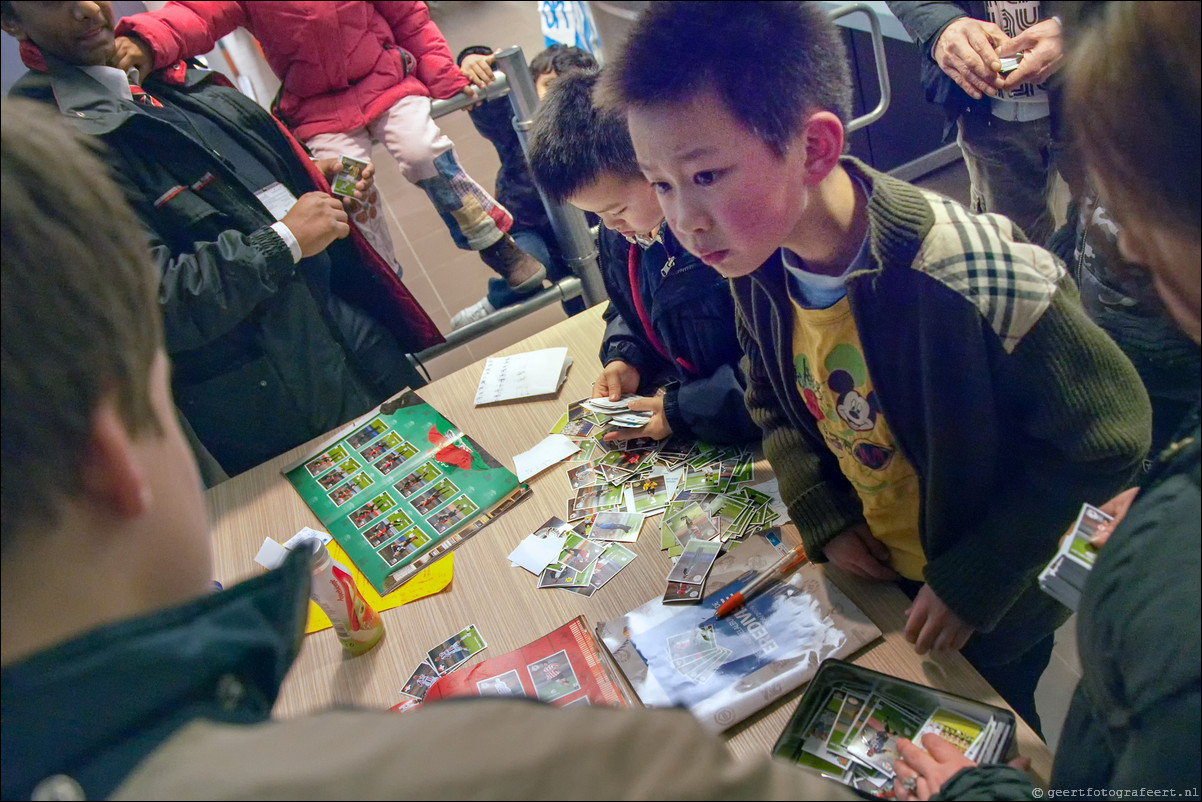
(878, 55)
(576, 242)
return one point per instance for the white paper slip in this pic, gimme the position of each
(522, 375)
(536, 553)
(277, 200)
(554, 448)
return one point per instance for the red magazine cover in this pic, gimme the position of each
(564, 667)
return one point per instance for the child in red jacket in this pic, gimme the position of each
(353, 73)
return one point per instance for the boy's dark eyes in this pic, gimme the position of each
(706, 177)
(661, 187)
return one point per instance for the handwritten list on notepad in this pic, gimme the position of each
(523, 375)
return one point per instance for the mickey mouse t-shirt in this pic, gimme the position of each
(833, 380)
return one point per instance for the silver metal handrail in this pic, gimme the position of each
(563, 290)
(577, 244)
(878, 53)
(497, 89)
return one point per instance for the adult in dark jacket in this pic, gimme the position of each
(273, 342)
(1132, 726)
(1007, 125)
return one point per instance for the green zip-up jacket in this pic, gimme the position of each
(1012, 406)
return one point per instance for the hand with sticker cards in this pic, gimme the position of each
(352, 180)
(618, 378)
(921, 771)
(630, 417)
(645, 419)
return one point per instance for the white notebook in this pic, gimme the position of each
(523, 375)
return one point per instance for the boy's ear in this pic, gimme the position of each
(12, 27)
(822, 137)
(113, 478)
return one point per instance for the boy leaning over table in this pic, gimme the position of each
(934, 401)
(122, 675)
(669, 326)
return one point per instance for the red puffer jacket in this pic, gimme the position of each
(342, 64)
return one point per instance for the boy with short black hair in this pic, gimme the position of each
(670, 331)
(934, 401)
(557, 59)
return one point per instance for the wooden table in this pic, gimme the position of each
(505, 602)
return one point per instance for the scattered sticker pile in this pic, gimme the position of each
(701, 490)
(443, 658)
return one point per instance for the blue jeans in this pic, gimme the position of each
(500, 295)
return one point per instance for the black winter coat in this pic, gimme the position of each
(691, 313)
(260, 365)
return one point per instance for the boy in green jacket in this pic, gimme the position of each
(933, 399)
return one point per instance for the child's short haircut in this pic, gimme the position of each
(772, 63)
(559, 59)
(574, 143)
(80, 311)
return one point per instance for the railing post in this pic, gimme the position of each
(571, 229)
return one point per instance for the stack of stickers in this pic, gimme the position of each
(617, 413)
(686, 581)
(1065, 576)
(579, 558)
(442, 659)
(853, 736)
(702, 491)
(696, 653)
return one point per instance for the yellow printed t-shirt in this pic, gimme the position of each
(834, 383)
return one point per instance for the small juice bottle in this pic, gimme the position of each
(357, 625)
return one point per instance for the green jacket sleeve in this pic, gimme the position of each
(987, 782)
(1086, 428)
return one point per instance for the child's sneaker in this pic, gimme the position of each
(477, 311)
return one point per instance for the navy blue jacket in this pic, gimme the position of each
(691, 314)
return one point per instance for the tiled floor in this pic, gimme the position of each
(445, 279)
